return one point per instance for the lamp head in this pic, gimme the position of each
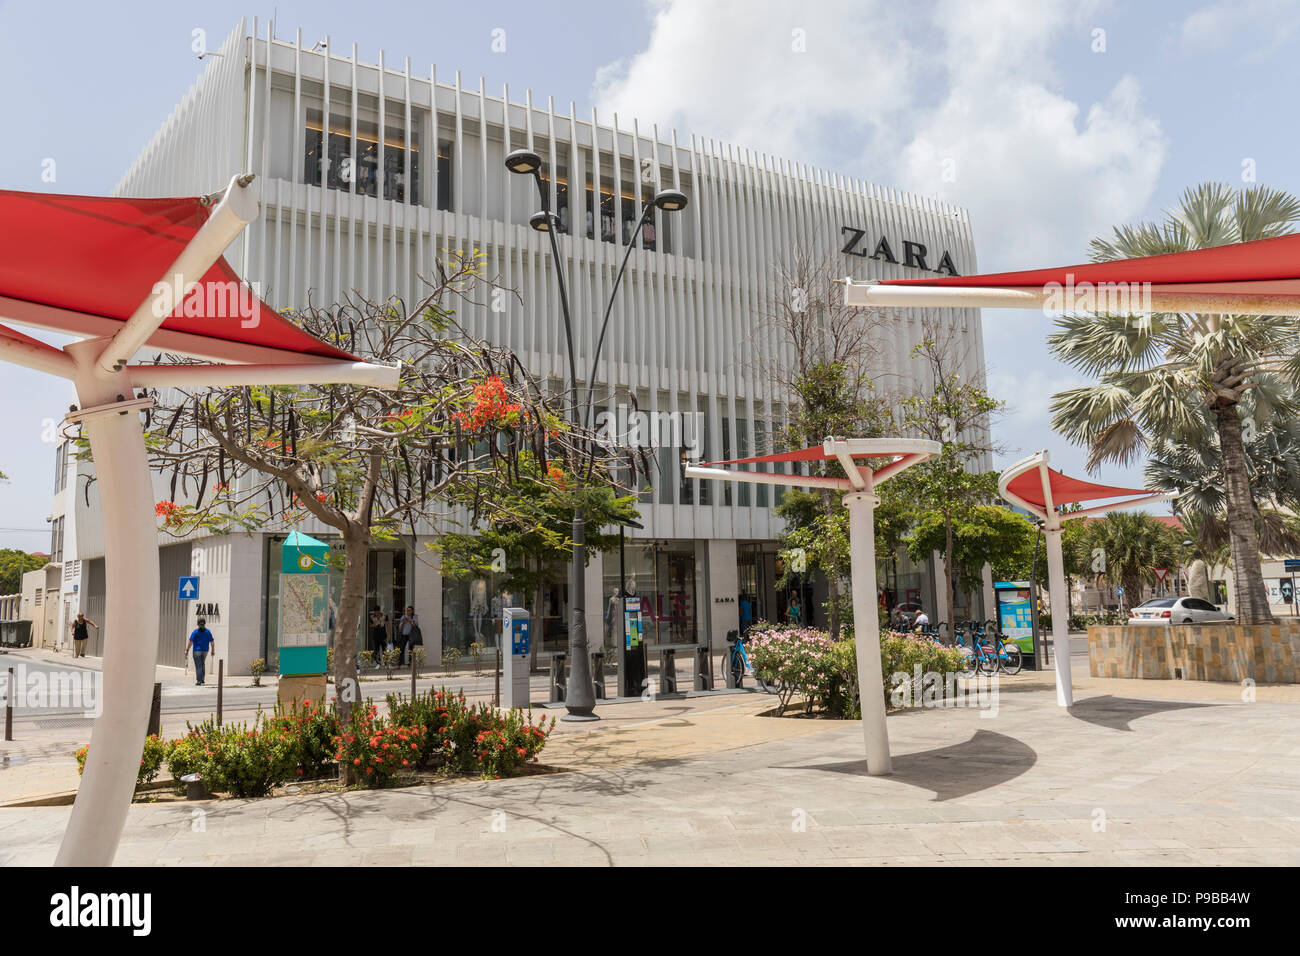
(540, 221)
(523, 161)
(670, 200)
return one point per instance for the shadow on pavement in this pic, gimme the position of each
(987, 760)
(1116, 712)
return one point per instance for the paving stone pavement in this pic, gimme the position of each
(1119, 780)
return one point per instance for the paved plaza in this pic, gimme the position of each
(1137, 773)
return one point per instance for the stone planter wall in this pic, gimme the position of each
(1266, 654)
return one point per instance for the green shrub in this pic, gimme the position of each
(375, 750)
(433, 710)
(151, 759)
(257, 668)
(795, 661)
(186, 755)
(312, 729)
(506, 748)
(250, 763)
(390, 659)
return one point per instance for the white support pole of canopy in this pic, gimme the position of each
(1058, 590)
(110, 416)
(860, 501)
(131, 610)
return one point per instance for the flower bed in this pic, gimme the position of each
(436, 730)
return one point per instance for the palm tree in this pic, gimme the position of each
(1160, 375)
(1135, 545)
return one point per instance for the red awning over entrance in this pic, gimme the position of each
(1266, 266)
(101, 257)
(1065, 490)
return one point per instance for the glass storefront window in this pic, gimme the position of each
(663, 576)
(471, 610)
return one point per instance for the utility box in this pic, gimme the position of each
(515, 644)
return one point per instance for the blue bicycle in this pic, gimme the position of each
(735, 661)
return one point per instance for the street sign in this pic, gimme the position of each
(1161, 574)
(188, 588)
(1292, 564)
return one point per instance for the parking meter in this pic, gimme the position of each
(633, 671)
(515, 658)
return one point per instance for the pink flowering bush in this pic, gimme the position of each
(795, 661)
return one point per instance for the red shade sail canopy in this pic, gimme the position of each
(1265, 266)
(1065, 490)
(101, 257)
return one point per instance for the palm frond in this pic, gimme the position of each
(1262, 212)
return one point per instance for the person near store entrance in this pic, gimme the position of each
(794, 610)
(201, 642)
(378, 633)
(80, 634)
(408, 634)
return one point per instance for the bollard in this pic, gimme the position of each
(412, 677)
(221, 675)
(668, 671)
(703, 668)
(598, 673)
(9, 707)
(155, 712)
(558, 686)
(496, 681)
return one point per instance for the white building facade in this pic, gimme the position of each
(369, 172)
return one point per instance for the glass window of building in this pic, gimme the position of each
(334, 164)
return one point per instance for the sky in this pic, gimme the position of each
(1050, 120)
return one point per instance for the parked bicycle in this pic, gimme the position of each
(735, 660)
(989, 653)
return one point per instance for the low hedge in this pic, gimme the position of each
(805, 662)
(437, 729)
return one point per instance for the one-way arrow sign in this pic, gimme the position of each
(188, 588)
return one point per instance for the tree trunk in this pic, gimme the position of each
(948, 576)
(356, 546)
(1248, 576)
(832, 577)
(1198, 580)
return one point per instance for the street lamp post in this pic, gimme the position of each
(580, 698)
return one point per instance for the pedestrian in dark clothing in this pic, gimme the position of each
(81, 634)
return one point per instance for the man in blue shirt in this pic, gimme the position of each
(202, 641)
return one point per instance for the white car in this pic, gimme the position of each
(1177, 610)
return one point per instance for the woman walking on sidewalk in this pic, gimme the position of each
(80, 634)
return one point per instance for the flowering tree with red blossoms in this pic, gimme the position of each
(370, 463)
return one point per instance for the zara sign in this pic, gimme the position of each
(914, 253)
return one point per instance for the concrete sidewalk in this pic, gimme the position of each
(1130, 780)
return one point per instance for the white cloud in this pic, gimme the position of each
(889, 91)
(1215, 27)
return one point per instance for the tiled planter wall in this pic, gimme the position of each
(1267, 653)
